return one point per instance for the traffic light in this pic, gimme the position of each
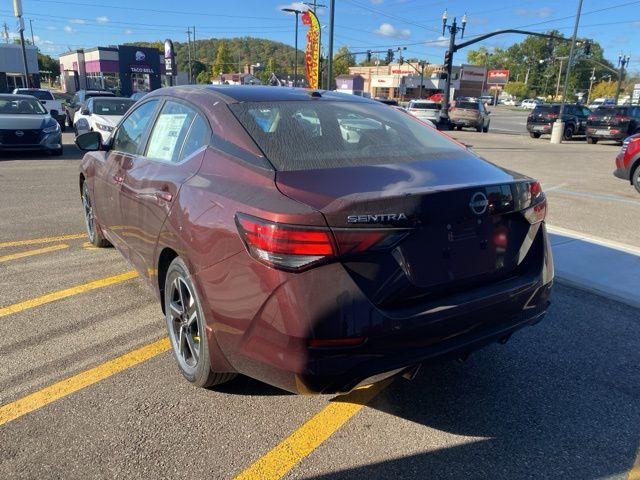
(389, 56)
(448, 57)
(368, 56)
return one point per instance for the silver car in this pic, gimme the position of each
(26, 125)
(425, 110)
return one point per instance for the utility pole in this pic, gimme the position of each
(189, 49)
(6, 33)
(195, 45)
(33, 42)
(17, 10)
(332, 13)
(559, 75)
(592, 79)
(557, 131)
(453, 31)
(623, 61)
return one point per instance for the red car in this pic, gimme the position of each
(312, 240)
(628, 161)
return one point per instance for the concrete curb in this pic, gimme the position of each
(603, 267)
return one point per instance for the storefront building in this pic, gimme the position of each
(12, 67)
(126, 69)
(402, 82)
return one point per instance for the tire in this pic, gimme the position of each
(186, 326)
(479, 128)
(459, 128)
(635, 178)
(534, 134)
(568, 132)
(486, 129)
(58, 152)
(94, 233)
(591, 140)
(69, 121)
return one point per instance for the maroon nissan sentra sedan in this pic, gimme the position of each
(313, 240)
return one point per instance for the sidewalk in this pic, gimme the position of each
(597, 265)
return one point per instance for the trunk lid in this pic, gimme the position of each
(460, 214)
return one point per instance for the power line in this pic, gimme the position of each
(395, 17)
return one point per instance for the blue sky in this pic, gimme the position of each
(62, 24)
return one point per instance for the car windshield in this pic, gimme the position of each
(468, 105)
(314, 135)
(112, 107)
(21, 106)
(39, 94)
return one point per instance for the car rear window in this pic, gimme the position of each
(324, 134)
(426, 106)
(544, 109)
(607, 111)
(39, 94)
(469, 105)
(112, 106)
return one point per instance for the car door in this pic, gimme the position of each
(81, 122)
(174, 152)
(128, 140)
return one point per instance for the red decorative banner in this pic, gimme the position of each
(312, 52)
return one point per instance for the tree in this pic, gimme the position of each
(223, 62)
(517, 89)
(342, 60)
(604, 89)
(48, 64)
(203, 77)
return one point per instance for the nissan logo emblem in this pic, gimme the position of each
(479, 203)
(19, 133)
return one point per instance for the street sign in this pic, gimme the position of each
(497, 77)
(635, 96)
(169, 58)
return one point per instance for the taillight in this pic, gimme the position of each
(537, 210)
(296, 247)
(592, 118)
(551, 116)
(622, 118)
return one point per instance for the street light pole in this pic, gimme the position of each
(453, 31)
(295, 65)
(332, 14)
(592, 78)
(558, 127)
(559, 75)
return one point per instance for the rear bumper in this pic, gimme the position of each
(604, 133)
(464, 122)
(539, 127)
(262, 329)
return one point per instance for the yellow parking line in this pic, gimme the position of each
(37, 251)
(54, 392)
(67, 292)
(36, 241)
(284, 456)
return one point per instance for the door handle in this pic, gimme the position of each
(118, 177)
(163, 195)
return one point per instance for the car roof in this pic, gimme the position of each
(257, 93)
(22, 89)
(15, 96)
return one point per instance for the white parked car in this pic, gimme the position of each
(425, 110)
(511, 102)
(101, 114)
(47, 99)
(531, 103)
(601, 102)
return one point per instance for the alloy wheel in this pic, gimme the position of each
(184, 324)
(89, 217)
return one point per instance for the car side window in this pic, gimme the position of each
(129, 135)
(199, 136)
(89, 105)
(170, 131)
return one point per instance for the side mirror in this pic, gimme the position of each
(90, 141)
(85, 111)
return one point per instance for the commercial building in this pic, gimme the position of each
(12, 67)
(402, 82)
(125, 68)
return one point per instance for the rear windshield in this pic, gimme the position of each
(547, 109)
(39, 94)
(324, 134)
(425, 106)
(98, 94)
(606, 111)
(469, 105)
(112, 107)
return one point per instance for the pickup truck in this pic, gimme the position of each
(46, 98)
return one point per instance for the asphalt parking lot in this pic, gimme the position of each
(88, 388)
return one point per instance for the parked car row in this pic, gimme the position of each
(608, 122)
(463, 113)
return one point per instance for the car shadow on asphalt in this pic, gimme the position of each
(243, 385)
(560, 400)
(71, 152)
